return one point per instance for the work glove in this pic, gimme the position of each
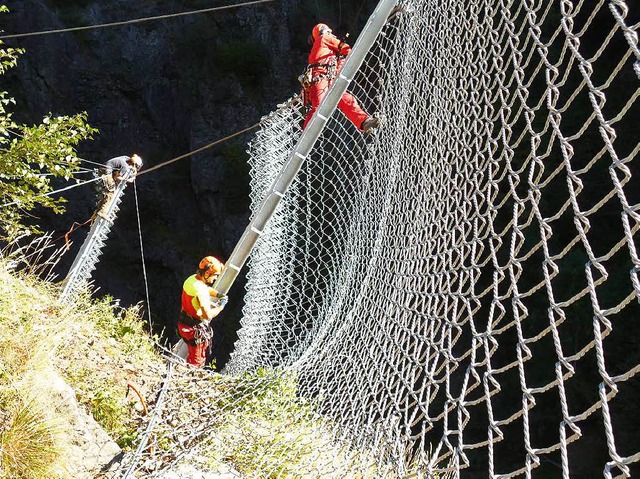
(220, 300)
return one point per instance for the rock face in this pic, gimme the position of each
(164, 88)
(91, 449)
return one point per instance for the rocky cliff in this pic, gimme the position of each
(163, 88)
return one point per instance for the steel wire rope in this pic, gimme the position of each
(133, 21)
(144, 268)
(82, 183)
(81, 171)
(15, 133)
(202, 148)
(91, 162)
(173, 160)
(85, 170)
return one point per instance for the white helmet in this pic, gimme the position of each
(136, 160)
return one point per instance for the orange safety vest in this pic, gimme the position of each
(190, 301)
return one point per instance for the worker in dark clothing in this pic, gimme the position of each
(120, 166)
(115, 170)
(326, 59)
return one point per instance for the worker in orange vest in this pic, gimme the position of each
(200, 304)
(326, 59)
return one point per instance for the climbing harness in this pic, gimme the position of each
(307, 79)
(202, 333)
(103, 180)
(188, 320)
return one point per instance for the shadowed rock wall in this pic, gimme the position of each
(161, 89)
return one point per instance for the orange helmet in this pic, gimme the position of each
(320, 29)
(210, 263)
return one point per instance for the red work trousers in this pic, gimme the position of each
(347, 104)
(197, 353)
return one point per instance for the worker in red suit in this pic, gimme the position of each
(326, 59)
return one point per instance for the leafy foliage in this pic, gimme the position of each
(32, 156)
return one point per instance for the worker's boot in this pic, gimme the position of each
(370, 124)
(103, 206)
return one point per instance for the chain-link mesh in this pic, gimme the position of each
(456, 294)
(462, 285)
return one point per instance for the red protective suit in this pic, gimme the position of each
(323, 52)
(189, 319)
(197, 354)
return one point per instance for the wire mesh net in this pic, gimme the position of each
(455, 294)
(463, 282)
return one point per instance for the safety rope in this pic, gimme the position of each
(74, 226)
(173, 160)
(15, 133)
(191, 153)
(144, 268)
(82, 183)
(92, 162)
(81, 171)
(135, 20)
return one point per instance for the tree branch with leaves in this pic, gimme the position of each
(32, 156)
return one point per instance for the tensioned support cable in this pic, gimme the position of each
(135, 20)
(308, 139)
(194, 152)
(144, 267)
(81, 183)
(148, 170)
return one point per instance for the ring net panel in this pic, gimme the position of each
(455, 294)
(461, 286)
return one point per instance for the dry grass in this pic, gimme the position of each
(98, 348)
(30, 435)
(31, 439)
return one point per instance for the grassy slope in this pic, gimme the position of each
(100, 350)
(256, 423)
(97, 348)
